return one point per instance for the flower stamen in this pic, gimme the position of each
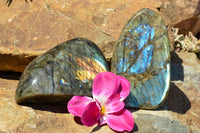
(103, 110)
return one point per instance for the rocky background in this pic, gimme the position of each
(29, 29)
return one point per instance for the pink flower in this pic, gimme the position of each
(107, 106)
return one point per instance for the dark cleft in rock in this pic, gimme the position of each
(64, 71)
(142, 56)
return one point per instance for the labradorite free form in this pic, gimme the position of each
(64, 71)
(142, 56)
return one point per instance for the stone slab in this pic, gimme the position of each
(16, 118)
(29, 29)
(180, 112)
(182, 14)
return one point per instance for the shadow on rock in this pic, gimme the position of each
(78, 120)
(10, 1)
(176, 101)
(96, 129)
(10, 75)
(135, 129)
(177, 72)
(50, 108)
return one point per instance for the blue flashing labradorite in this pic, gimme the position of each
(142, 56)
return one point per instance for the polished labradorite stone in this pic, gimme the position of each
(60, 73)
(142, 56)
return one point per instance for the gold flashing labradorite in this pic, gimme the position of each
(64, 71)
(142, 56)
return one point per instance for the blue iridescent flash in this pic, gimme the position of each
(141, 36)
(142, 56)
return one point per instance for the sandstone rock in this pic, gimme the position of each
(182, 14)
(155, 124)
(185, 90)
(180, 112)
(16, 118)
(35, 27)
(30, 29)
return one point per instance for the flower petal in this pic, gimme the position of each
(124, 88)
(121, 121)
(77, 105)
(102, 121)
(91, 115)
(113, 104)
(104, 85)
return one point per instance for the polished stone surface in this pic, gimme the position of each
(60, 73)
(142, 56)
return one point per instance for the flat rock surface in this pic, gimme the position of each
(179, 114)
(30, 29)
(182, 14)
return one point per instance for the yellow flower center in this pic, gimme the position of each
(103, 110)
